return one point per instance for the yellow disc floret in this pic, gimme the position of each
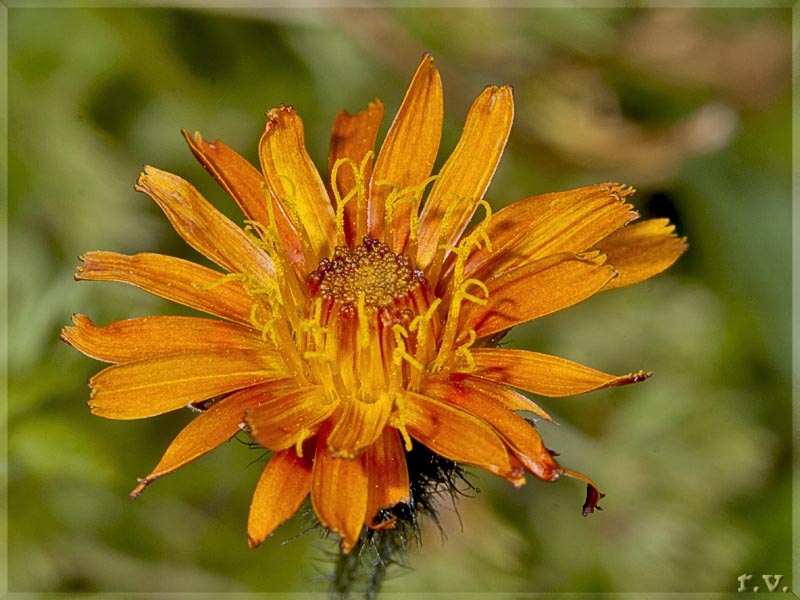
(370, 269)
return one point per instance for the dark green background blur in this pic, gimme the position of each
(691, 106)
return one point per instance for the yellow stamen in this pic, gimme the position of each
(464, 295)
(290, 203)
(265, 327)
(473, 240)
(359, 192)
(459, 286)
(363, 324)
(340, 202)
(463, 350)
(412, 194)
(447, 218)
(301, 437)
(421, 325)
(222, 280)
(313, 324)
(364, 343)
(267, 240)
(401, 351)
(290, 292)
(361, 187)
(397, 420)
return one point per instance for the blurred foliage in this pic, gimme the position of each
(692, 106)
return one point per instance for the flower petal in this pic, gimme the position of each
(284, 484)
(508, 398)
(407, 155)
(284, 420)
(642, 250)
(172, 278)
(521, 436)
(544, 374)
(353, 136)
(157, 385)
(534, 290)
(234, 173)
(571, 221)
(148, 337)
(387, 472)
(294, 181)
(456, 434)
(245, 184)
(358, 425)
(339, 492)
(465, 176)
(203, 227)
(208, 430)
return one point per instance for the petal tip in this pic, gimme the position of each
(67, 333)
(500, 90)
(636, 377)
(137, 491)
(593, 496)
(142, 179)
(193, 139)
(347, 544)
(621, 190)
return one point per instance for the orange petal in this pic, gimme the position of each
(407, 155)
(284, 484)
(172, 278)
(506, 397)
(234, 173)
(339, 492)
(358, 425)
(642, 250)
(534, 290)
(157, 385)
(208, 430)
(353, 136)
(570, 221)
(456, 434)
(294, 181)
(245, 184)
(466, 174)
(148, 337)
(284, 420)
(203, 227)
(544, 374)
(387, 472)
(521, 436)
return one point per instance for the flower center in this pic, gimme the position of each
(372, 271)
(369, 330)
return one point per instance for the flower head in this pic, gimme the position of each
(356, 316)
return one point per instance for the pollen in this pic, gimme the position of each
(370, 269)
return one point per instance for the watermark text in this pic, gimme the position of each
(771, 583)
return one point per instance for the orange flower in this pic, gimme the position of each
(359, 321)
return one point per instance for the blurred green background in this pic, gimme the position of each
(691, 106)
